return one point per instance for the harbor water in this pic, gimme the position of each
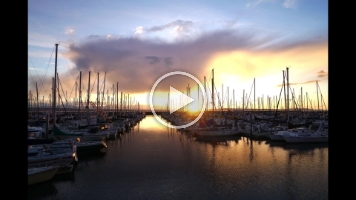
(155, 162)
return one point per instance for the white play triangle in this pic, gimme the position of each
(175, 95)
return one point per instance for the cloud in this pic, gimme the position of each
(34, 68)
(168, 61)
(69, 31)
(93, 37)
(139, 30)
(290, 3)
(286, 3)
(311, 81)
(177, 27)
(255, 3)
(152, 59)
(136, 63)
(178, 24)
(322, 74)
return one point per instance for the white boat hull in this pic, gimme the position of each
(41, 174)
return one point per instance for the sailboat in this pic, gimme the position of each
(210, 127)
(63, 134)
(296, 136)
(78, 137)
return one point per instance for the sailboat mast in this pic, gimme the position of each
(75, 95)
(254, 94)
(243, 103)
(222, 97)
(233, 99)
(206, 93)
(212, 88)
(198, 96)
(287, 94)
(301, 100)
(317, 94)
(228, 100)
(121, 105)
(38, 108)
(54, 88)
(97, 95)
(117, 99)
(88, 97)
(102, 99)
(306, 97)
(112, 98)
(80, 94)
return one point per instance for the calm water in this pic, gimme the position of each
(155, 162)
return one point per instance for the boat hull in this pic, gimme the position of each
(276, 137)
(306, 139)
(61, 153)
(41, 174)
(85, 147)
(61, 159)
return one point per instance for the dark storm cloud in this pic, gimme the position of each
(152, 59)
(93, 37)
(155, 60)
(137, 63)
(168, 61)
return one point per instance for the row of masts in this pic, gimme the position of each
(303, 104)
(126, 103)
(34, 104)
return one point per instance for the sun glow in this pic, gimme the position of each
(260, 74)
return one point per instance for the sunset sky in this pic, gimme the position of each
(136, 42)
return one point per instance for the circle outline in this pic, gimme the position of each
(201, 88)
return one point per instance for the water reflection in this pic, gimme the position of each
(41, 190)
(306, 147)
(154, 161)
(225, 140)
(251, 150)
(114, 142)
(272, 143)
(65, 177)
(89, 160)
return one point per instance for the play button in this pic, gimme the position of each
(175, 94)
